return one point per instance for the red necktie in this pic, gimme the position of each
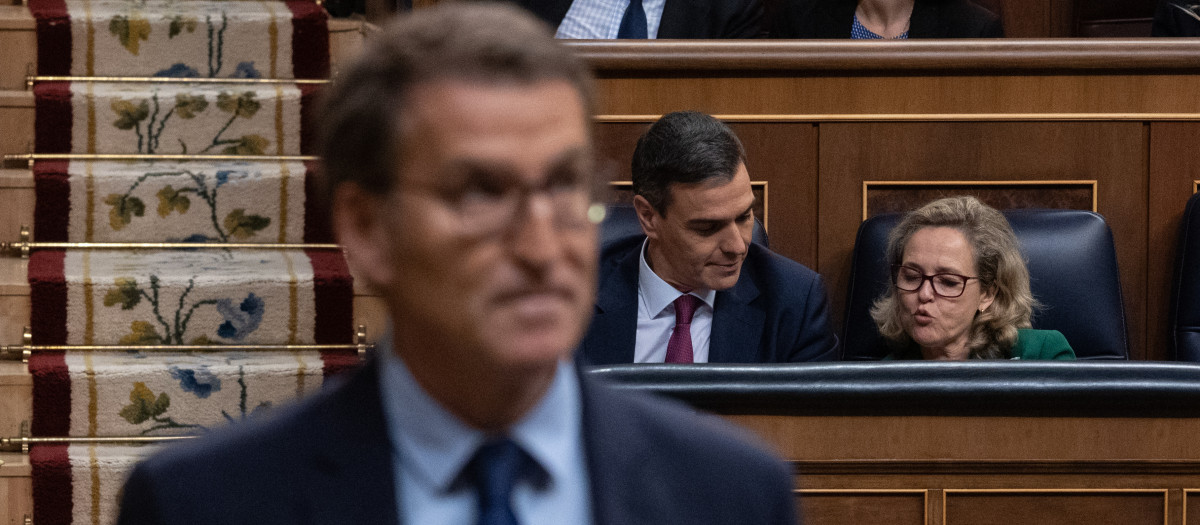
(679, 348)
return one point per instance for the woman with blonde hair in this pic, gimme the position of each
(960, 288)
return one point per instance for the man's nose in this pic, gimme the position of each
(534, 237)
(734, 240)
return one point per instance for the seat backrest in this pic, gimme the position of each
(1073, 273)
(1185, 288)
(1113, 18)
(621, 225)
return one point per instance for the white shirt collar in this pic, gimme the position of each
(657, 294)
(437, 445)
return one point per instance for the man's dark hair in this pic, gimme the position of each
(683, 147)
(364, 110)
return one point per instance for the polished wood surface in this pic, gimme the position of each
(988, 56)
(967, 469)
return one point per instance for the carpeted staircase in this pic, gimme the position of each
(226, 89)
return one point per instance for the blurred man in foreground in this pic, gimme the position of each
(459, 155)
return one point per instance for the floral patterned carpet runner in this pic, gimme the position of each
(190, 297)
(81, 483)
(181, 38)
(172, 201)
(165, 394)
(202, 296)
(174, 119)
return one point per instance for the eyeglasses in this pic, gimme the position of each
(948, 285)
(491, 209)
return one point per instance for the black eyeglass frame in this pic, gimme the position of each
(896, 273)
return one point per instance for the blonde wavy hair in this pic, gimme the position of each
(998, 264)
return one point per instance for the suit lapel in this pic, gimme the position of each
(613, 332)
(550, 11)
(674, 22)
(924, 20)
(612, 462)
(349, 471)
(833, 19)
(737, 326)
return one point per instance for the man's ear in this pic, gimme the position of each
(361, 229)
(647, 216)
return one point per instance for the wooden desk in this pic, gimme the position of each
(954, 443)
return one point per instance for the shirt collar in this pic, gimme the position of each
(657, 294)
(437, 445)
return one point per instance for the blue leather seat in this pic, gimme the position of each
(621, 225)
(1185, 288)
(1073, 269)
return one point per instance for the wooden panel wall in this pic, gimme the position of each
(957, 469)
(781, 155)
(1119, 120)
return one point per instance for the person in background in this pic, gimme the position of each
(458, 154)
(885, 19)
(960, 288)
(642, 19)
(695, 289)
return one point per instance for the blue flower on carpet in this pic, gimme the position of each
(242, 320)
(223, 177)
(197, 380)
(179, 69)
(246, 70)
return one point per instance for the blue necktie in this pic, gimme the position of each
(633, 24)
(495, 470)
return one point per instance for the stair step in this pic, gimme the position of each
(193, 38)
(177, 297)
(18, 45)
(18, 50)
(82, 480)
(17, 114)
(16, 488)
(154, 393)
(178, 201)
(184, 118)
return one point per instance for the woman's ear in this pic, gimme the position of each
(986, 297)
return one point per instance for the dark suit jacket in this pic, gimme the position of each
(681, 18)
(1172, 20)
(328, 461)
(930, 19)
(776, 313)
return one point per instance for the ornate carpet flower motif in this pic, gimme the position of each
(199, 380)
(242, 320)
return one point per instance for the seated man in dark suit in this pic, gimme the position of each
(695, 289)
(458, 157)
(651, 18)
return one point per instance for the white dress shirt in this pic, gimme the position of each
(600, 19)
(656, 317)
(431, 447)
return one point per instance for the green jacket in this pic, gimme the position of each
(1031, 345)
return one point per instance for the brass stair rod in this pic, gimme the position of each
(30, 80)
(21, 444)
(25, 246)
(136, 156)
(27, 348)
